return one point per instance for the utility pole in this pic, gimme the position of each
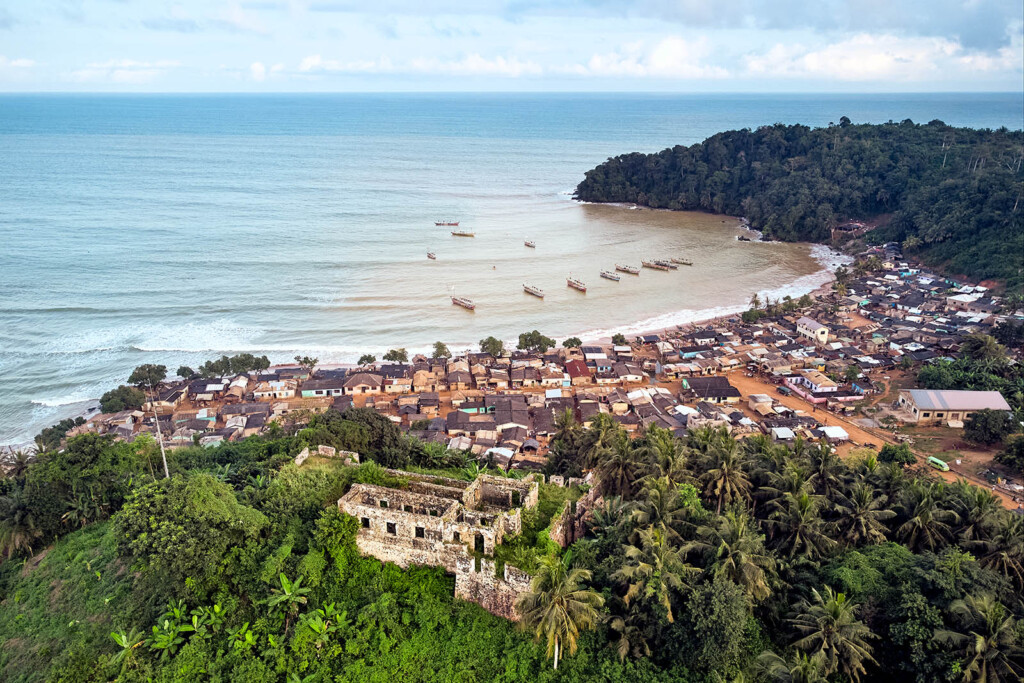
(159, 437)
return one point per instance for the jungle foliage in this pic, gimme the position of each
(952, 196)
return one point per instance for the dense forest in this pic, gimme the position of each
(951, 196)
(711, 559)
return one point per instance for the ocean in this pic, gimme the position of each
(175, 228)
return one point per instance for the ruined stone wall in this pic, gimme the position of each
(475, 581)
(571, 523)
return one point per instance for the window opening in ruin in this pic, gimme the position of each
(419, 532)
(456, 537)
(366, 522)
(383, 503)
(433, 513)
(516, 499)
(391, 528)
(478, 544)
(407, 508)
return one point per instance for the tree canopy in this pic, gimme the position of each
(952, 196)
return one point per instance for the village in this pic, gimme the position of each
(840, 370)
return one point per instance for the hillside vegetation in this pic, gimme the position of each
(709, 560)
(952, 196)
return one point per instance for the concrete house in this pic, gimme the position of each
(948, 407)
(363, 383)
(812, 330)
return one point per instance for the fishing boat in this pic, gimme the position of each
(576, 284)
(464, 302)
(609, 275)
(681, 261)
(536, 291)
(463, 233)
(432, 256)
(655, 265)
(530, 244)
(632, 270)
(447, 224)
(667, 264)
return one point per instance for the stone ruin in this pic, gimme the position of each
(347, 457)
(447, 523)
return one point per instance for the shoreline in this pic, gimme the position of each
(673, 322)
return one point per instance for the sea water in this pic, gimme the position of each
(175, 228)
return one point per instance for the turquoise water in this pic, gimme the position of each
(171, 229)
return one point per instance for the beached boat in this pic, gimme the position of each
(536, 291)
(656, 265)
(463, 233)
(681, 261)
(576, 284)
(531, 245)
(632, 270)
(447, 224)
(464, 302)
(609, 275)
(432, 256)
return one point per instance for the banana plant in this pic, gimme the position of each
(128, 642)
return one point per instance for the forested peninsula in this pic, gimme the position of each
(951, 196)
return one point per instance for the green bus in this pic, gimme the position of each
(938, 464)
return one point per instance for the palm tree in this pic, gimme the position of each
(1003, 551)
(601, 438)
(826, 469)
(862, 515)
(988, 641)
(620, 469)
(726, 480)
(666, 453)
(829, 625)
(608, 518)
(793, 480)
(559, 604)
(660, 506)
(654, 569)
(18, 462)
(631, 640)
(732, 548)
(800, 668)
(18, 530)
(977, 509)
(800, 527)
(928, 523)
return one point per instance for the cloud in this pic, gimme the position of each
(176, 24)
(235, 18)
(471, 65)
(21, 63)
(257, 71)
(867, 57)
(125, 71)
(475, 65)
(672, 57)
(975, 24)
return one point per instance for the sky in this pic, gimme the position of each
(512, 45)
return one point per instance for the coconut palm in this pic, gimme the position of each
(602, 437)
(18, 529)
(732, 548)
(826, 469)
(621, 468)
(988, 640)
(607, 519)
(666, 453)
(799, 527)
(862, 515)
(928, 524)
(800, 668)
(559, 605)
(17, 463)
(829, 625)
(1003, 551)
(793, 480)
(977, 508)
(631, 639)
(660, 506)
(655, 569)
(726, 479)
